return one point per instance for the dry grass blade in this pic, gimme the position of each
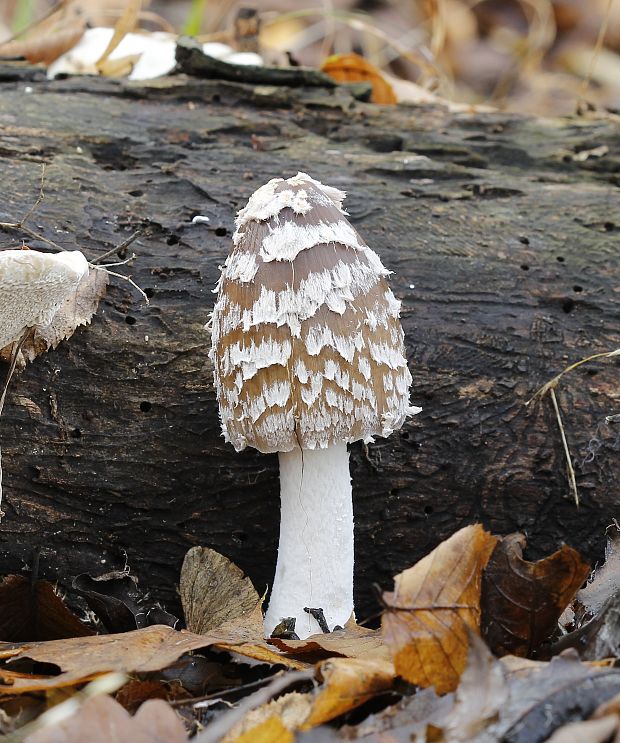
(550, 387)
(432, 608)
(363, 23)
(125, 24)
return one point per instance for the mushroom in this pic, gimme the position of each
(33, 286)
(308, 355)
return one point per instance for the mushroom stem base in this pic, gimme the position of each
(315, 553)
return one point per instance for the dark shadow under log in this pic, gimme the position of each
(111, 443)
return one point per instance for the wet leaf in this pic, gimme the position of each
(34, 612)
(352, 68)
(102, 720)
(117, 601)
(521, 600)
(427, 616)
(214, 590)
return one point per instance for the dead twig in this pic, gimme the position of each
(21, 226)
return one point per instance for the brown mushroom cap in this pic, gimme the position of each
(307, 344)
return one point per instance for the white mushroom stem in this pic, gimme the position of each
(315, 554)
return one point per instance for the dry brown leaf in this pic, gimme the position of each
(150, 649)
(45, 48)
(352, 68)
(351, 642)
(214, 590)
(427, 616)
(521, 600)
(34, 612)
(102, 720)
(347, 684)
(269, 731)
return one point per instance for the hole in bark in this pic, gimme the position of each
(609, 226)
(428, 510)
(145, 406)
(524, 240)
(35, 473)
(240, 536)
(568, 305)
(577, 288)
(76, 433)
(405, 435)
(220, 231)
(130, 320)
(525, 267)
(172, 240)
(215, 98)
(136, 193)
(150, 292)
(560, 259)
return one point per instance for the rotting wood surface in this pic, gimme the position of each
(111, 444)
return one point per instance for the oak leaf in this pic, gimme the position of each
(433, 606)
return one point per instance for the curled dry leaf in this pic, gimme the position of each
(352, 68)
(214, 590)
(521, 600)
(47, 47)
(34, 612)
(102, 720)
(427, 616)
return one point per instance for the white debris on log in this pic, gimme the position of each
(33, 286)
(303, 302)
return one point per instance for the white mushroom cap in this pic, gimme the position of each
(308, 348)
(33, 285)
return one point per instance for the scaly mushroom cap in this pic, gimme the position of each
(307, 344)
(33, 285)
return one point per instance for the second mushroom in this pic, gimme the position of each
(308, 355)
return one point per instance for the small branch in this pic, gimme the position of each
(125, 244)
(21, 226)
(569, 464)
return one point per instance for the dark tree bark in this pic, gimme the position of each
(111, 444)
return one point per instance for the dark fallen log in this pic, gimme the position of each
(507, 226)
